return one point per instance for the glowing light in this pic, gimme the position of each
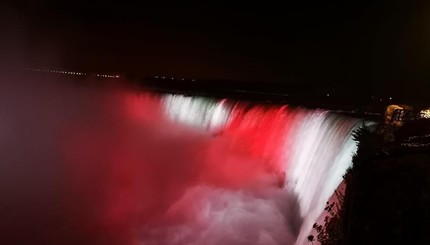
(425, 113)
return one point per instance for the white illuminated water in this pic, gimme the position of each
(196, 111)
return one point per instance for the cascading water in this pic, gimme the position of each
(308, 149)
(116, 166)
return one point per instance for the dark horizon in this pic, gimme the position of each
(320, 44)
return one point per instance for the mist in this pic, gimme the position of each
(104, 164)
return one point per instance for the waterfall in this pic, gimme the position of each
(94, 165)
(311, 148)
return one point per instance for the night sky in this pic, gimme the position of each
(345, 42)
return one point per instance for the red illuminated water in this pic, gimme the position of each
(117, 166)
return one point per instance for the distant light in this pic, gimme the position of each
(391, 98)
(380, 100)
(328, 95)
(425, 114)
